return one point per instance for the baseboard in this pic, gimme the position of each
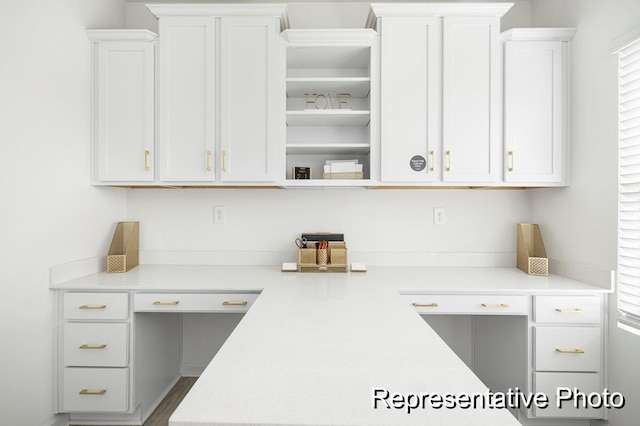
(58, 420)
(192, 370)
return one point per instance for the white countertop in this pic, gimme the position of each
(257, 278)
(313, 346)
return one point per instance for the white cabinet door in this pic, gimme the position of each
(536, 105)
(249, 98)
(187, 107)
(124, 112)
(471, 99)
(411, 98)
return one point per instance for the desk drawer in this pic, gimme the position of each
(96, 344)
(567, 348)
(95, 390)
(108, 306)
(567, 309)
(549, 383)
(193, 302)
(486, 304)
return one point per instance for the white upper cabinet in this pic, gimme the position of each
(535, 118)
(123, 113)
(219, 99)
(441, 100)
(472, 99)
(249, 98)
(411, 96)
(187, 114)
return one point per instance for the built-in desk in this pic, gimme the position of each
(313, 347)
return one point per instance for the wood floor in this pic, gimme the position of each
(160, 417)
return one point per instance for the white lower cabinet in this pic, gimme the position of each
(553, 344)
(105, 345)
(563, 386)
(568, 354)
(94, 353)
(567, 348)
(120, 353)
(95, 390)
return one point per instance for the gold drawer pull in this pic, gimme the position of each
(146, 160)
(569, 311)
(425, 305)
(570, 351)
(83, 307)
(495, 305)
(224, 160)
(432, 154)
(172, 303)
(86, 346)
(88, 392)
(448, 155)
(510, 161)
(208, 160)
(243, 303)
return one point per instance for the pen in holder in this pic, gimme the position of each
(322, 253)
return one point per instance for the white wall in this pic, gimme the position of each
(49, 213)
(580, 221)
(373, 221)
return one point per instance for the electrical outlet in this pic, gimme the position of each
(439, 216)
(219, 215)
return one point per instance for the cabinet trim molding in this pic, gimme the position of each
(276, 10)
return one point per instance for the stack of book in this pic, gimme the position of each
(342, 169)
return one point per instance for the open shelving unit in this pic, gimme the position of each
(329, 92)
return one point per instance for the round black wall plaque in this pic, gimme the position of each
(418, 163)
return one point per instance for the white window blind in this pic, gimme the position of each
(629, 187)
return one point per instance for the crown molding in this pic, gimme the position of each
(275, 10)
(121, 35)
(539, 34)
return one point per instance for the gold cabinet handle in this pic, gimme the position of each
(160, 303)
(86, 346)
(448, 154)
(425, 305)
(208, 160)
(495, 305)
(83, 307)
(226, 303)
(146, 160)
(569, 311)
(510, 161)
(432, 154)
(570, 351)
(88, 392)
(224, 160)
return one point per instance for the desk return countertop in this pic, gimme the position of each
(315, 348)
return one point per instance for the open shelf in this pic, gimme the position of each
(328, 89)
(328, 148)
(327, 117)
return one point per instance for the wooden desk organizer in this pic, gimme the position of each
(336, 262)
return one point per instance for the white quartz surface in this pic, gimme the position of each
(309, 352)
(256, 278)
(313, 346)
